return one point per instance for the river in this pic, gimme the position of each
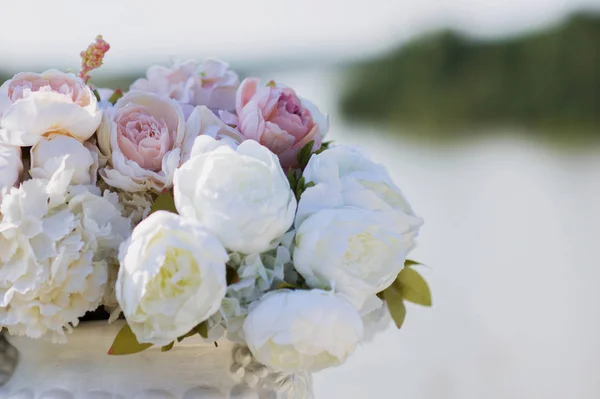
(512, 243)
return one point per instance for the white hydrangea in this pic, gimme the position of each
(136, 206)
(258, 273)
(55, 242)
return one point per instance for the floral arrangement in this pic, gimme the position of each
(195, 204)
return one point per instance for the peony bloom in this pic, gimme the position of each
(211, 84)
(202, 122)
(242, 196)
(355, 251)
(50, 152)
(344, 176)
(33, 105)
(142, 137)
(56, 244)
(278, 119)
(375, 316)
(172, 277)
(11, 165)
(302, 330)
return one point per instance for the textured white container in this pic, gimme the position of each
(193, 369)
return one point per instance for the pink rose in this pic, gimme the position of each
(33, 105)
(216, 86)
(142, 137)
(211, 84)
(278, 119)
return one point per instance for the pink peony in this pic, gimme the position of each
(278, 119)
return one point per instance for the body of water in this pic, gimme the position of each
(512, 243)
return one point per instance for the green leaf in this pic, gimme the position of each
(413, 287)
(285, 285)
(115, 96)
(395, 304)
(168, 347)
(126, 343)
(409, 262)
(96, 94)
(291, 175)
(324, 146)
(305, 153)
(189, 334)
(202, 329)
(164, 202)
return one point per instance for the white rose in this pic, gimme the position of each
(354, 251)
(172, 277)
(32, 105)
(11, 165)
(142, 137)
(242, 196)
(203, 122)
(344, 176)
(49, 153)
(57, 241)
(302, 330)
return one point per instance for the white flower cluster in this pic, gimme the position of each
(191, 204)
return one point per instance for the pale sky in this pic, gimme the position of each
(36, 32)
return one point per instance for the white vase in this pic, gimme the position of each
(193, 369)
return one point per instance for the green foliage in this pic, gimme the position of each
(413, 287)
(546, 81)
(126, 343)
(96, 94)
(115, 97)
(408, 286)
(164, 202)
(305, 153)
(168, 347)
(393, 298)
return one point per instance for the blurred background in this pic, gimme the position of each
(487, 113)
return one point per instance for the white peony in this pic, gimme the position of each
(302, 330)
(242, 196)
(142, 137)
(202, 122)
(55, 243)
(375, 316)
(345, 176)
(172, 277)
(11, 165)
(354, 251)
(50, 152)
(33, 105)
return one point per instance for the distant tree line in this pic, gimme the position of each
(548, 81)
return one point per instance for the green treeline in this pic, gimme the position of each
(548, 81)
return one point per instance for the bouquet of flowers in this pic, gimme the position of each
(195, 204)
